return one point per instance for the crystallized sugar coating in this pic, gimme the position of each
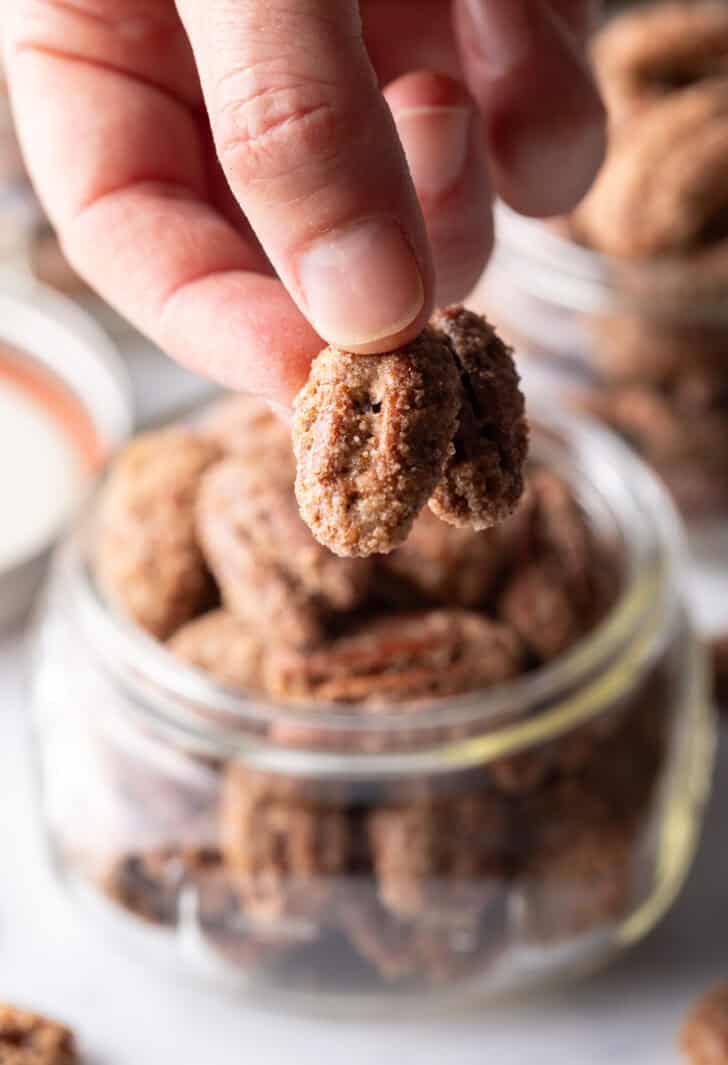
(29, 1039)
(400, 658)
(483, 475)
(220, 644)
(371, 434)
(147, 560)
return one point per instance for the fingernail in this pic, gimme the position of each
(361, 284)
(501, 33)
(435, 141)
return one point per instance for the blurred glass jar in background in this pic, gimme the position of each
(629, 295)
(319, 856)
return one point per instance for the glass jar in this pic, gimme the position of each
(424, 856)
(641, 345)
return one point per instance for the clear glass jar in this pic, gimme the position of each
(317, 857)
(642, 345)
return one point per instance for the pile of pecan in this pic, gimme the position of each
(660, 209)
(426, 878)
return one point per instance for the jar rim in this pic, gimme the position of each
(184, 701)
(551, 266)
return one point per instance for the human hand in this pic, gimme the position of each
(191, 155)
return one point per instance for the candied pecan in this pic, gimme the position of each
(402, 658)
(645, 349)
(646, 54)
(704, 1034)
(30, 1039)
(441, 857)
(371, 434)
(483, 476)
(581, 881)
(247, 427)
(664, 187)
(719, 658)
(270, 570)
(147, 561)
(410, 950)
(222, 645)
(536, 603)
(148, 883)
(455, 567)
(285, 851)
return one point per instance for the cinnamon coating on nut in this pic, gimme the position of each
(661, 48)
(246, 427)
(220, 644)
(147, 560)
(483, 476)
(371, 434)
(402, 658)
(270, 569)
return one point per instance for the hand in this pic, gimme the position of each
(189, 156)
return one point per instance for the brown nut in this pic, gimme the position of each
(270, 569)
(455, 567)
(401, 951)
(29, 1039)
(483, 476)
(149, 883)
(402, 658)
(537, 605)
(704, 1034)
(664, 188)
(247, 427)
(371, 434)
(660, 49)
(220, 644)
(286, 852)
(147, 560)
(441, 858)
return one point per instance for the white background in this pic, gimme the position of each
(126, 1014)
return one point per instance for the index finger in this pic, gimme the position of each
(121, 159)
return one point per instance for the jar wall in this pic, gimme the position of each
(355, 888)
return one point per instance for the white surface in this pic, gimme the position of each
(129, 1015)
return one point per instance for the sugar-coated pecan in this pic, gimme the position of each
(270, 569)
(444, 564)
(371, 435)
(248, 428)
(417, 951)
(442, 857)
(30, 1039)
(147, 560)
(664, 188)
(149, 883)
(537, 604)
(402, 658)
(659, 49)
(220, 644)
(704, 1034)
(285, 851)
(483, 476)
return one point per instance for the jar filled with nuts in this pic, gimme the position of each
(471, 766)
(629, 295)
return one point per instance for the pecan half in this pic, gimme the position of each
(30, 1039)
(444, 857)
(147, 560)
(664, 188)
(483, 476)
(286, 851)
(704, 1034)
(444, 564)
(222, 645)
(247, 427)
(371, 434)
(270, 569)
(402, 658)
(659, 49)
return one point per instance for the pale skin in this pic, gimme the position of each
(245, 179)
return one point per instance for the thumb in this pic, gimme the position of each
(311, 153)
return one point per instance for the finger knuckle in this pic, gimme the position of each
(270, 124)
